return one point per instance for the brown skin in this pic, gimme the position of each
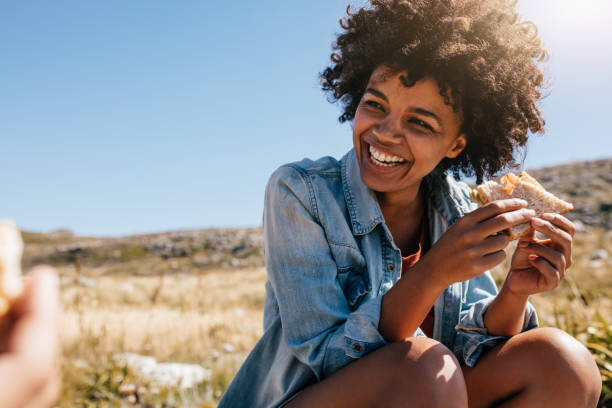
(29, 354)
(539, 368)
(543, 367)
(519, 371)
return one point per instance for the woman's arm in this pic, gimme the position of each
(537, 266)
(467, 249)
(505, 316)
(406, 304)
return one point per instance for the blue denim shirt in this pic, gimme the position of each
(330, 259)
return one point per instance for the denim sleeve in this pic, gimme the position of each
(318, 326)
(472, 336)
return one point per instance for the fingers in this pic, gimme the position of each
(497, 207)
(555, 258)
(504, 221)
(559, 237)
(30, 364)
(551, 275)
(34, 339)
(561, 222)
(22, 387)
(48, 393)
(494, 243)
(526, 239)
(493, 259)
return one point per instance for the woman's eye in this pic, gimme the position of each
(422, 124)
(375, 105)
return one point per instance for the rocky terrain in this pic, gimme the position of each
(588, 185)
(180, 251)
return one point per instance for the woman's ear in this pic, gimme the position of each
(457, 146)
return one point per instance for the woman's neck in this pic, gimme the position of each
(403, 213)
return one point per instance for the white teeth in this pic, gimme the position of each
(383, 159)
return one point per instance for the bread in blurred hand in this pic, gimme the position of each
(527, 188)
(11, 249)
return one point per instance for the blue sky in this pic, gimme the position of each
(125, 117)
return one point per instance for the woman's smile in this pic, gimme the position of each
(383, 162)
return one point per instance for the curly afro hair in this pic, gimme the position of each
(483, 57)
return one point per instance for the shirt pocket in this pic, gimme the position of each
(354, 285)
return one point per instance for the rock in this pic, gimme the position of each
(599, 254)
(173, 250)
(86, 282)
(165, 374)
(228, 347)
(61, 233)
(207, 260)
(605, 207)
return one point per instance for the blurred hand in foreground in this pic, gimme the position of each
(29, 344)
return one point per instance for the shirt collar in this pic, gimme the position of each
(442, 195)
(362, 204)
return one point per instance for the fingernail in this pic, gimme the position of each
(548, 216)
(538, 222)
(532, 257)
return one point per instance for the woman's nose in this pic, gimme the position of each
(388, 130)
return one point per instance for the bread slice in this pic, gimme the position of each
(11, 249)
(526, 187)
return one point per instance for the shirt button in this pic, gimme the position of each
(357, 347)
(390, 267)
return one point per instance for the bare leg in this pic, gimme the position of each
(418, 372)
(539, 368)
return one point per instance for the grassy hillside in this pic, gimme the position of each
(197, 297)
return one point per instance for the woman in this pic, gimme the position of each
(378, 291)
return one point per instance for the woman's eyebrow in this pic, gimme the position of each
(377, 93)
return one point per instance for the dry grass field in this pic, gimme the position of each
(214, 318)
(210, 319)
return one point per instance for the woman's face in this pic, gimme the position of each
(401, 133)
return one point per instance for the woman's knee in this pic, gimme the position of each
(565, 365)
(425, 369)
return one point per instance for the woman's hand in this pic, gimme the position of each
(29, 344)
(474, 244)
(539, 265)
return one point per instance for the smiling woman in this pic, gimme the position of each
(378, 290)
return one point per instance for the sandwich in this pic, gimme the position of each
(525, 187)
(11, 249)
